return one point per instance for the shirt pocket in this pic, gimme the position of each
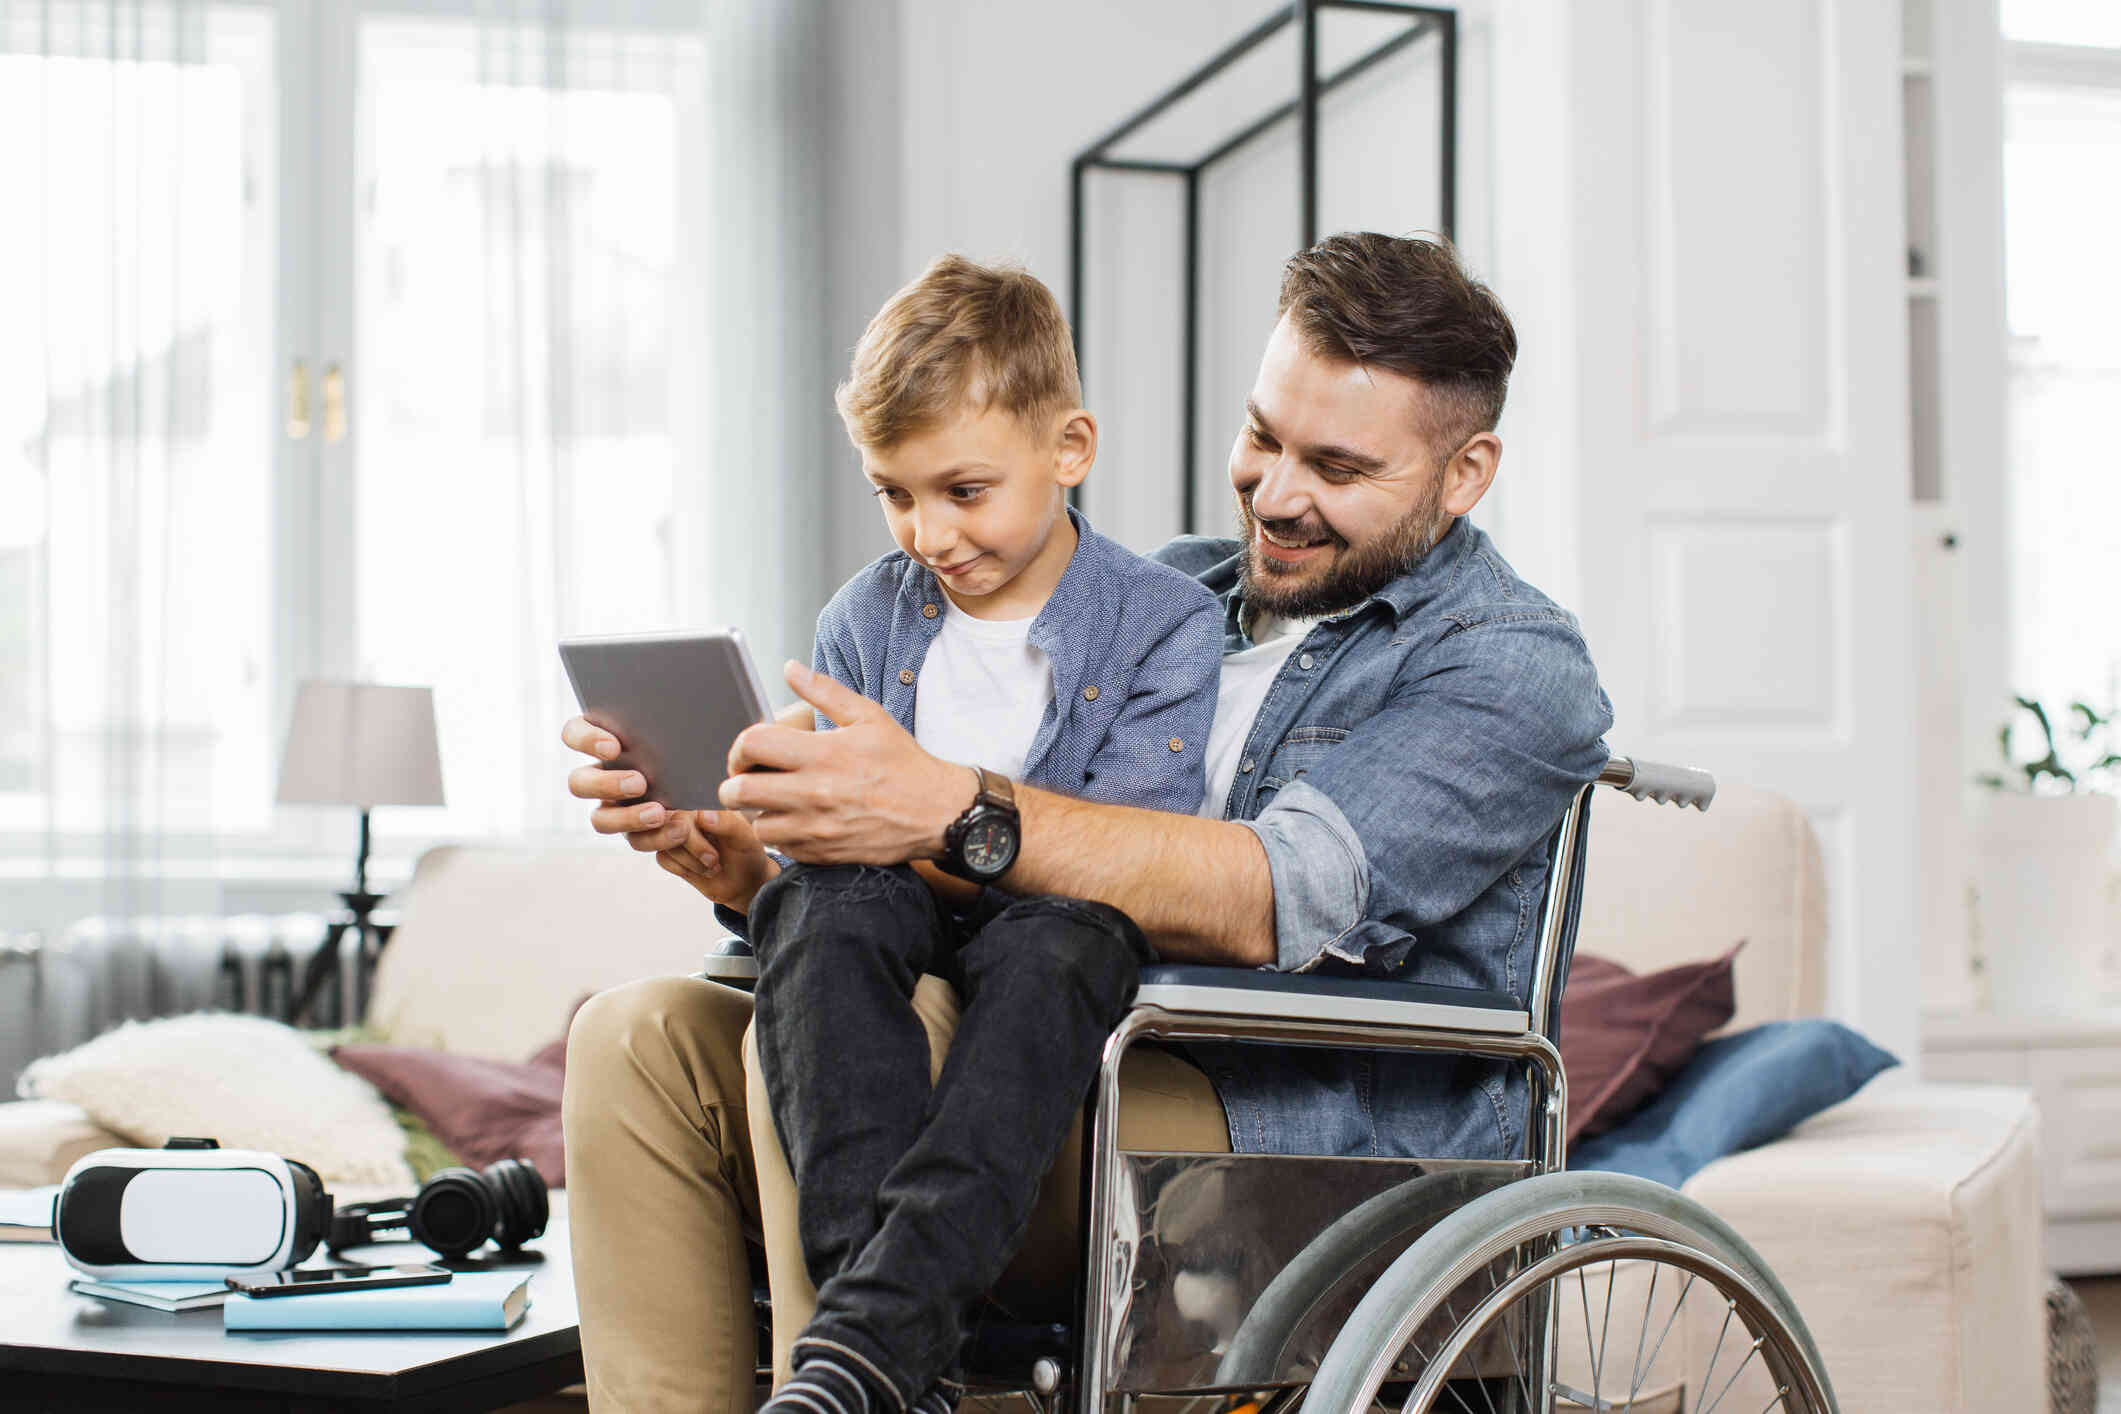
(1298, 751)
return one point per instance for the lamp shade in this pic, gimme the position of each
(360, 743)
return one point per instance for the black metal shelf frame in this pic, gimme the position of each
(1428, 20)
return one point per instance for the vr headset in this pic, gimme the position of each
(189, 1211)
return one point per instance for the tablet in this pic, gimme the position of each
(675, 701)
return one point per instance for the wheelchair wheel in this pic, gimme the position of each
(1459, 1322)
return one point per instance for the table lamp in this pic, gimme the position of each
(361, 744)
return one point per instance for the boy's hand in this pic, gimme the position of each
(648, 825)
(721, 857)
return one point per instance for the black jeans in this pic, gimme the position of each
(913, 1199)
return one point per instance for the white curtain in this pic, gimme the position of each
(576, 251)
(604, 239)
(134, 476)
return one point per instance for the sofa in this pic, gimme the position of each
(1905, 1222)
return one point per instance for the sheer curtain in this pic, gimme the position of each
(573, 251)
(588, 396)
(135, 279)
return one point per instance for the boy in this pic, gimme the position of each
(1006, 634)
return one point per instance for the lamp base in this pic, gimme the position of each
(361, 903)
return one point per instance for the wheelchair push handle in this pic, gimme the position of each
(1655, 780)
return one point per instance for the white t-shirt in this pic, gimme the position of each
(983, 692)
(1246, 676)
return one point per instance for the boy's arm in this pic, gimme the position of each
(1155, 753)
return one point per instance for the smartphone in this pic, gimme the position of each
(308, 1279)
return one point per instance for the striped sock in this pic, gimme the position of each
(820, 1385)
(936, 1401)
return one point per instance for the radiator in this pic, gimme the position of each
(56, 993)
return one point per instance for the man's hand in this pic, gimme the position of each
(865, 794)
(649, 826)
(721, 857)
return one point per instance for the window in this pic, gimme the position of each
(368, 367)
(2062, 204)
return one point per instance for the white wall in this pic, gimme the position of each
(988, 103)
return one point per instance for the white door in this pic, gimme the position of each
(1724, 426)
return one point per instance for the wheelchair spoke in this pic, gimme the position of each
(1511, 1344)
(1663, 1335)
(1780, 1395)
(1642, 1337)
(1749, 1354)
(1730, 1309)
(1612, 1273)
(1584, 1288)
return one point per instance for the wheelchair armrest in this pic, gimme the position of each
(731, 960)
(1306, 996)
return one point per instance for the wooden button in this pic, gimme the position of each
(1178, 743)
(929, 611)
(1090, 693)
(905, 675)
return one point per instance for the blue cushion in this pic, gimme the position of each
(1739, 1091)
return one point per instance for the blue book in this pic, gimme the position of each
(470, 1301)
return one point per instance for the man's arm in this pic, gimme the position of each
(1199, 888)
(868, 794)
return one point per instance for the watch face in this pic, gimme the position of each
(990, 846)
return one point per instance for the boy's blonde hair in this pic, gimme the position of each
(992, 336)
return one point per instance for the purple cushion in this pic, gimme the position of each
(484, 1110)
(1624, 1036)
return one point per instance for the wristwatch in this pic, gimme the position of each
(981, 844)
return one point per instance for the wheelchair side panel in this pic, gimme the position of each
(1237, 1271)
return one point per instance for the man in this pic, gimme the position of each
(1400, 725)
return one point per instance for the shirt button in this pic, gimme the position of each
(905, 675)
(1090, 693)
(1178, 743)
(1246, 768)
(929, 611)
(1304, 662)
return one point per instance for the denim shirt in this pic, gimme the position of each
(1136, 649)
(1405, 775)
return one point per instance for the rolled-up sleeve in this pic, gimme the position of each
(1321, 875)
(1427, 802)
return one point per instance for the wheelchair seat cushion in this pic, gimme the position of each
(1242, 980)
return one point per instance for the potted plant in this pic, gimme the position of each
(2042, 843)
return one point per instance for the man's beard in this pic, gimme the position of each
(1351, 575)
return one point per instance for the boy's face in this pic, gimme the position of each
(977, 498)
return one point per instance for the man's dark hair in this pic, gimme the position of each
(1406, 304)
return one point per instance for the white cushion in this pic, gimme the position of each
(1665, 886)
(40, 1139)
(1906, 1226)
(495, 944)
(243, 1080)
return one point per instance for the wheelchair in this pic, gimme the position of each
(1255, 1283)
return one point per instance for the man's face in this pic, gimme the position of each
(1340, 486)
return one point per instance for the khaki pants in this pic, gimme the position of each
(672, 1160)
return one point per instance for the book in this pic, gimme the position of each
(26, 1213)
(481, 1301)
(160, 1295)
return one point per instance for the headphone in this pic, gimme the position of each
(454, 1211)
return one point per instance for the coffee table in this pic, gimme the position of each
(74, 1353)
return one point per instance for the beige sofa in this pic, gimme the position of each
(1905, 1223)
